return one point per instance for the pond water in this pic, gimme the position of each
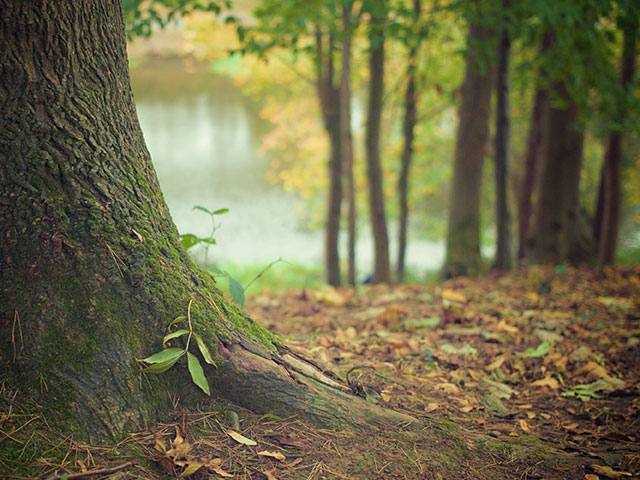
(204, 136)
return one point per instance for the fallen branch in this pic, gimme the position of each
(99, 471)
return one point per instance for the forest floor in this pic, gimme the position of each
(531, 374)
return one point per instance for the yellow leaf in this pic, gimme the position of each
(431, 407)
(276, 455)
(525, 426)
(330, 296)
(453, 296)
(547, 382)
(497, 363)
(269, 474)
(609, 472)
(240, 438)
(192, 468)
(160, 445)
(505, 327)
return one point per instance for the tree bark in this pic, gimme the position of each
(408, 128)
(91, 269)
(612, 169)
(558, 230)
(534, 141)
(463, 235)
(382, 273)
(503, 260)
(347, 139)
(329, 96)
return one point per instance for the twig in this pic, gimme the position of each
(100, 471)
(264, 270)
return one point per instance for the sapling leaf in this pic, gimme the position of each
(197, 374)
(165, 362)
(189, 240)
(221, 211)
(203, 349)
(176, 320)
(237, 290)
(176, 334)
(203, 209)
(164, 355)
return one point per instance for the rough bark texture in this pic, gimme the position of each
(463, 234)
(534, 141)
(503, 258)
(382, 272)
(558, 230)
(347, 139)
(329, 96)
(612, 168)
(91, 266)
(408, 127)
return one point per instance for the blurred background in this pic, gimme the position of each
(268, 109)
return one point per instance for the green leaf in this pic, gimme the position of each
(203, 349)
(216, 270)
(176, 320)
(189, 240)
(176, 334)
(161, 362)
(197, 374)
(221, 211)
(540, 351)
(203, 209)
(237, 291)
(164, 355)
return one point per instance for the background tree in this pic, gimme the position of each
(463, 233)
(503, 258)
(611, 191)
(410, 119)
(378, 11)
(92, 269)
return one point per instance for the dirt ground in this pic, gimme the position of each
(529, 375)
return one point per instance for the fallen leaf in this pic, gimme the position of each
(330, 296)
(219, 471)
(497, 363)
(505, 327)
(276, 455)
(591, 476)
(240, 438)
(610, 472)
(192, 468)
(466, 349)
(431, 406)
(524, 426)
(453, 296)
(540, 351)
(269, 474)
(547, 382)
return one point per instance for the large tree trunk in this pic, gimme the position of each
(463, 234)
(534, 141)
(503, 258)
(346, 138)
(612, 169)
(408, 127)
(558, 230)
(329, 96)
(91, 266)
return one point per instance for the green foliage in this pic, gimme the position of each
(189, 240)
(141, 15)
(162, 361)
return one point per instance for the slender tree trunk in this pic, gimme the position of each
(534, 141)
(612, 168)
(347, 138)
(408, 127)
(329, 96)
(463, 234)
(381, 272)
(557, 234)
(503, 260)
(91, 267)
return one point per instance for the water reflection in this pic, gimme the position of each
(204, 136)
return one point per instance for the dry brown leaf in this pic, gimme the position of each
(591, 476)
(610, 472)
(192, 468)
(269, 474)
(160, 445)
(497, 363)
(593, 371)
(431, 406)
(547, 381)
(276, 455)
(505, 327)
(217, 470)
(241, 438)
(178, 440)
(524, 426)
(453, 296)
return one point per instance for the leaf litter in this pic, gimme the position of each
(513, 381)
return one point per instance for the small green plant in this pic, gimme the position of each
(189, 240)
(162, 361)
